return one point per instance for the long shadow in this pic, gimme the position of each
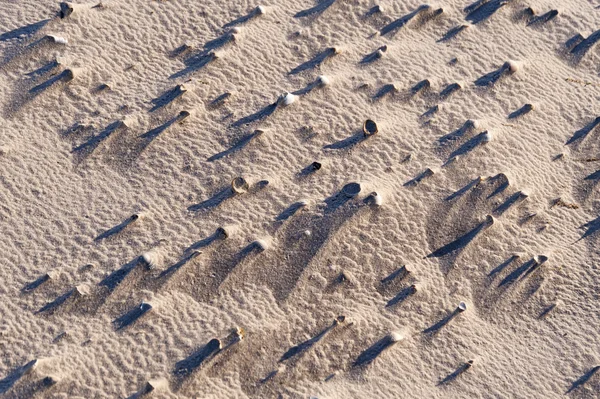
(502, 266)
(290, 211)
(594, 176)
(468, 146)
(44, 69)
(574, 41)
(463, 190)
(217, 43)
(374, 56)
(518, 272)
(196, 359)
(493, 77)
(502, 187)
(239, 145)
(195, 63)
(371, 353)
(592, 227)
(458, 133)
(115, 278)
(525, 109)
(154, 133)
(585, 45)
(583, 379)
(184, 261)
(306, 345)
(542, 19)
(168, 97)
(485, 10)
(430, 112)
(434, 329)
(35, 284)
(316, 61)
(118, 228)
(336, 201)
(52, 306)
(417, 179)
(510, 201)
(26, 30)
(452, 33)
(205, 242)
(214, 201)
(258, 116)
(347, 142)
(400, 22)
(243, 19)
(448, 90)
(399, 273)
(474, 5)
(132, 316)
(582, 133)
(462, 241)
(90, 145)
(401, 296)
(420, 86)
(456, 373)
(316, 10)
(64, 76)
(384, 90)
(7, 382)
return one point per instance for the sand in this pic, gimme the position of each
(126, 254)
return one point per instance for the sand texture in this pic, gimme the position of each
(130, 267)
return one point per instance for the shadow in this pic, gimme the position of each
(454, 375)
(401, 296)
(592, 227)
(418, 178)
(220, 100)
(309, 87)
(118, 228)
(35, 284)
(258, 116)
(115, 278)
(26, 30)
(185, 260)
(241, 143)
(458, 133)
(306, 345)
(502, 266)
(196, 359)
(316, 61)
(467, 147)
(582, 133)
(583, 379)
(518, 272)
(132, 316)
(448, 90)
(90, 145)
(44, 69)
(167, 97)
(384, 90)
(574, 41)
(400, 22)
(399, 273)
(474, 5)
(585, 45)
(374, 56)
(430, 112)
(434, 329)
(462, 241)
(65, 76)
(547, 311)
(215, 44)
(290, 211)
(464, 189)
(154, 133)
(243, 19)
(7, 382)
(594, 176)
(419, 87)
(493, 77)
(542, 19)
(484, 10)
(510, 201)
(452, 33)
(336, 201)
(195, 63)
(370, 354)
(347, 142)
(525, 109)
(181, 50)
(316, 10)
(217, 235)
(52, 306)
(312, 168)
(502, 187)
(214, 201)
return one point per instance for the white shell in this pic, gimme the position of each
(261, 10)
(396, 336)
(514, 66)
(289, 99)
(261, 244)
(487, 137)
(323, 80)
(58, 39)
(462, 306)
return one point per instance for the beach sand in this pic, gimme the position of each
(126, 254)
